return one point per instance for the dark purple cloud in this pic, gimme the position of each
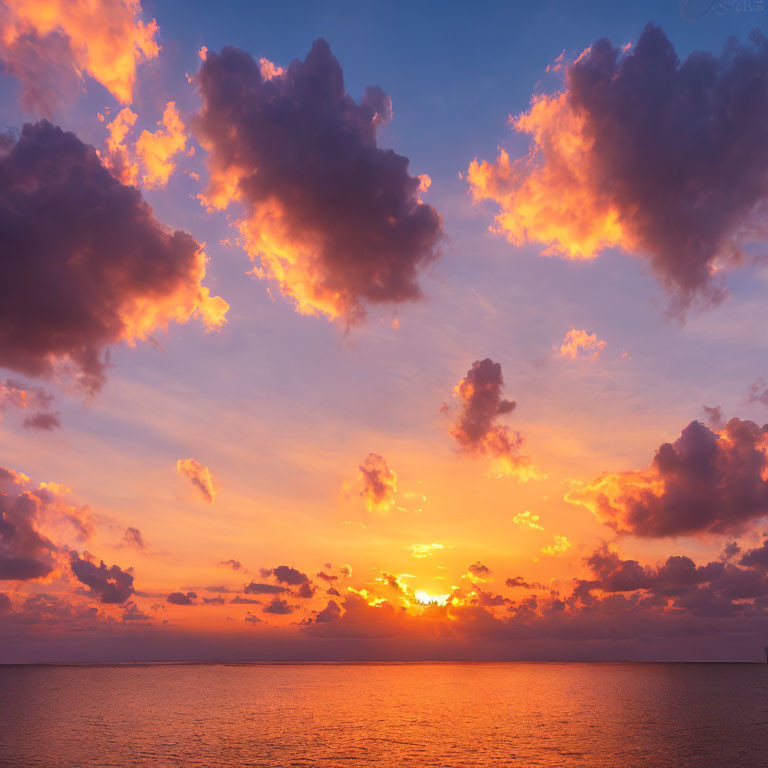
(84, 262)
(705, 481)
(756, 558)
(182, 598)
(475, 429)
(110, 585)
(235, 565)
(331, 612)
(25, 553)
(287, 575)
(678, 148)
(302, 157)
(278, 606)
(663, 158)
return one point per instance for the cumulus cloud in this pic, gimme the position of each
(379, 483)
(579, 345)
(644, 152)
(330, 217)
(331, 612)
(706, 481)
(200, 477)
(50, 44)
(287, 575)
(235, 565)
(279, 607)
(149, 160)
(110, 585)
(182, 598)
(475, 428)
(86, 264)
(25, 553)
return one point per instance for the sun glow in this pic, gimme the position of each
(424, 598)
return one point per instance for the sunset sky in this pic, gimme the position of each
(365, 330)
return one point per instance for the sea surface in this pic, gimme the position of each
(211, 715)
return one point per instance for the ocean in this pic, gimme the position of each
(390, 715)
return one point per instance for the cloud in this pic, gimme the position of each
(519, 581)
(640, 151)
(251, 619)
(279, 607)
(580, 345)
(479, 572)
(475, 430)
(287, 575)
(92, 265)
(110, 585)
(331, 612)
(35, 399)
(235, 565)
(155, 150)
(379, 483)
(149, 160)
(333, 219)
(182, 598)
(756, 558)
(50, 44)
(262, 589)
(200, 477)
(558, 547)
(714, 416)
(527, 520)
(25, 553)
(133, 538)
(758, 392)
(706, 481)
(132, 612)
(420, 551)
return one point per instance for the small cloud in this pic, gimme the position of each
(200, 477)
(420, 551)
(560, 545)
(580, 345)
(527, 520)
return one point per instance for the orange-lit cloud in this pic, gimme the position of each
(155, 150)
(475, 430)
(527, 520)
(118, 157)
(580, 345)
(708, 480)
(120, 275)
(51, 44)
(150, 158)
(379, 484)
(200, 477)
(637, 152)
(331, 218)
(560, 545)
(420, 551)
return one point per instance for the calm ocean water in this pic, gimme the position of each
(597, 715)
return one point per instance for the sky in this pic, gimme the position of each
(361, 330)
